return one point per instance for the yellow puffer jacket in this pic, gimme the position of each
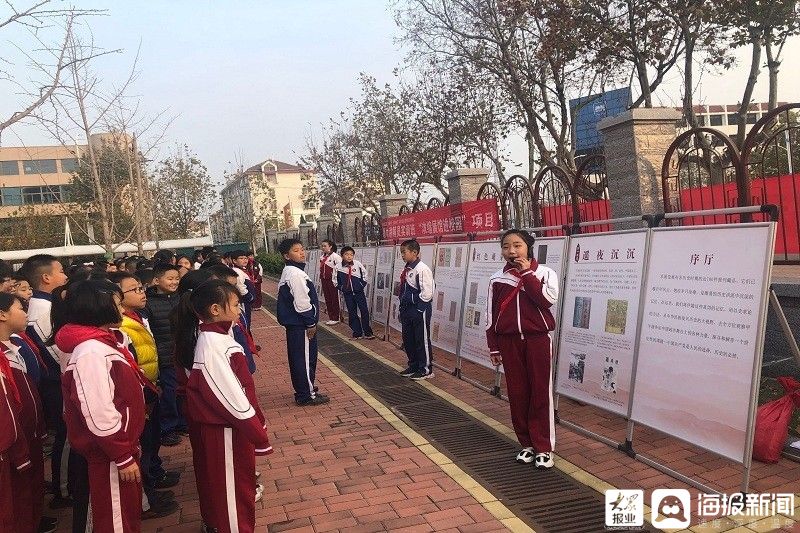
(145, 346)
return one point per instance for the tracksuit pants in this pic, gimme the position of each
(150, 442)
(171, 417)
(302, 353)
(116, 504)
(357, 304)
(331, 300)
(28, 489)
(416, 328)
(529, 377)
(53, 404)
(226, 480)
(79, 490)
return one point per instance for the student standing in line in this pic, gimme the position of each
(104, 405)
(230, 426)
(298, 312)
(256, 273)
(518, 334)
(28, 483)
(161, 300)
(352, 281)
(328, 263)
(45, 273)
(416, 296)
(244, 283)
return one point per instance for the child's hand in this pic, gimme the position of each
(496, 358)
(130, 473)
(523, 263)
(311, 332)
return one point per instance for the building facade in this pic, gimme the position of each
(271, 194)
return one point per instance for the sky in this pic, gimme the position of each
(251, 80)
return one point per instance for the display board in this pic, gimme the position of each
(702, 334)
(600, 313)
(426, 252)
(312, 268)
(550, 251)
(367, 257)
(451, 270)
(484, 259)
(383, 283)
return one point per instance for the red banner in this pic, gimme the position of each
(467, 217)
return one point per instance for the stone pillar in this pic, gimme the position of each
(272, 234)
(292, 232)
(323, 223)
(349, 217)
(635, 143)
(391, 203)
(305, 230)
(463, 184)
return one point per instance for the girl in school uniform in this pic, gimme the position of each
(518, 334)
(28, 483)
(229, 427)
(104, 406)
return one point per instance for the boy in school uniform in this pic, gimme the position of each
(298, 312)
(416, 296)
(351, 277)
(244, 283)
(329, 261)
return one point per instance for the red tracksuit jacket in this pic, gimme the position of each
(220, 389)
(103, 395)
(14, 454)
(525, 298)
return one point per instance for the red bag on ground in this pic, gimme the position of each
(772, 422)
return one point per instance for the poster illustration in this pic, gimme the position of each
(448, 298)
(383, 278)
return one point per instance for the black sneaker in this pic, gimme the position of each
(169, 479)
(183, 432)
(48, 524)
(419, 376)
(163, 496)
(60, 503)
(319, 399)
(160, 509)
(170, 439)
(408, 372)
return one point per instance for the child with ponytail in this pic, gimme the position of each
(229, 428)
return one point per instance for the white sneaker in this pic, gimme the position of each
(259, 492)
(258, 474)
(544, 460)
(331, 322)
(525, 456)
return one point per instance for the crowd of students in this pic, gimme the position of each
(120, 358)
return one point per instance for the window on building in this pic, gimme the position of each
(11, 195)
(733, 119)
(702, 120)
(9, 168)
(39, 166)
(715, 120)
(69, 165)
(752, 118)
(66, 193)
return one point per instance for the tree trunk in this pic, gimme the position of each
(773, 66)
(755, 70)
(137, 199)
(688, 80)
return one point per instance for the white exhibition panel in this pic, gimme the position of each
(451, 269)
(600, 313)
(702, 334)
(312, 269)
(549, 251)
(484, 259)
(383, 283)
(426, 252)
(367, 256)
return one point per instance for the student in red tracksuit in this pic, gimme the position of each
(329, 262)
(104, 405)
(15, 463)
(229, 427)
(518, 333)
(28, 483)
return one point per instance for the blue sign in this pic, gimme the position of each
(587, 111)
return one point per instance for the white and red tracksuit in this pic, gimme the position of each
(105, 413)
(519, 326)
(328, 265)
(227, 428)
(14, 455)
(28, 483)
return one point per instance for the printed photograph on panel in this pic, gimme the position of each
(381, 281)
(435, 332)
(441, 261)
(470, 317)
(477, 318)
(459, 254)
(439, 300)
(473, 292)
(379, 304)
(452, 316)
(583, 309)
(577, 364)
(609, 381)
(616, 316)
(541, 254)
